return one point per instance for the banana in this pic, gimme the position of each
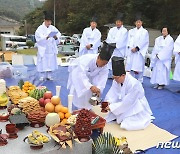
(3, 100)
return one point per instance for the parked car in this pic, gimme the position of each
(76, 39)
(67, 49)
(65, 40)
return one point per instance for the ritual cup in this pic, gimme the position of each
(11, 128)
(103, 106)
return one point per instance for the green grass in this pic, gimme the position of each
(32, 51)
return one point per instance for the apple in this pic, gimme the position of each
(47, 95)
(41, 102)
(47, 101)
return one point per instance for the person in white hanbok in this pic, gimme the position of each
(87, 75)
(137, 46)
(91, 39)
(47, 47)
(117, 35)
(127, 102)
(176, 75)
(161, 59)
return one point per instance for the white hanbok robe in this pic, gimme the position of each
(84, 73)
(118, 36)
(176, 75)
(162, 66)
(47, 48)
(128, 104)
(90, 36)
(135, 61)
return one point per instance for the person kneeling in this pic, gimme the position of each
(127, 102)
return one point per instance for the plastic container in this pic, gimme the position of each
(20, 71)
(5, 70)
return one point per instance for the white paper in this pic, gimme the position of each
(58, 89)
(51, 34)
(70, 99)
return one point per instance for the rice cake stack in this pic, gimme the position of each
(29, 104)
(15, 94)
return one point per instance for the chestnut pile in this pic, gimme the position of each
(83, 124)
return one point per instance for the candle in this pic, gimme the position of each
(58, 89)
(70, 99)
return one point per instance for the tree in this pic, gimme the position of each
(30, 44)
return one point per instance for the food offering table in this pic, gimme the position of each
(18, 146)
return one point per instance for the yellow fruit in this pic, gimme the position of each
(67, 115)
(64, 109)
(55, 100)
(61, 115)
(49, 107)
(31, 88)
(58, 108)
(64, 121)
(30, 84)
(26, 84)
(25, 88)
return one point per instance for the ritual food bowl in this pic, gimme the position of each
(33, 146)
(4, 117)
(84, 138)
(36, 146)
(11, 128)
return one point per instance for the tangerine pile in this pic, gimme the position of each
(27, 87)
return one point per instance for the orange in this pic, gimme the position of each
(58, 108)
(67, 115)
(64, 121)
(49, 107)
(61, 115)
(64, 109)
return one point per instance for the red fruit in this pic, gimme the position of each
(47, 101)
(41, 102)
(47, 95)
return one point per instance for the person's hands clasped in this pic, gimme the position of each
(96, 90)
(134, 50)
(55, 37)
(88, 46)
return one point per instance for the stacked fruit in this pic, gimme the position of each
(27, 87)
(53, 104)
(38, 92)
